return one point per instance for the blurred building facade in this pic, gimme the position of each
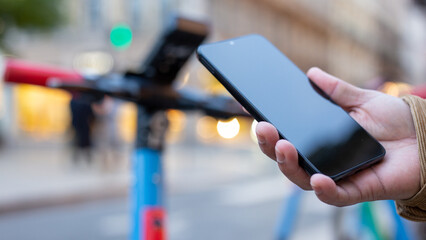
(88, 27)
(356, 40)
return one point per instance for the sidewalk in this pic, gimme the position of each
(40, 174)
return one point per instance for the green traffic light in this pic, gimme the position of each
(121, 36)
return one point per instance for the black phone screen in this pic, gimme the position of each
(274, 89)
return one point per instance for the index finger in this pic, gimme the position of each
(267, 137)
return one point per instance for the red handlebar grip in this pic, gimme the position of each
(18, 71)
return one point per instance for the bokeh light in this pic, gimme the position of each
(177, 121)
(127, 122)
(121, 36)
(41, 112)
(95, 62)
(228, 129)
(253, 131)
(206, 128)
(396, 88)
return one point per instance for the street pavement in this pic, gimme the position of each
(198, 215)
(213, 191)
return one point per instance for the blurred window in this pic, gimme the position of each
(95, 13)
(135, 13)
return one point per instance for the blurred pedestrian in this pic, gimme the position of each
(82, 119)
(105, 132)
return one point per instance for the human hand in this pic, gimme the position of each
(386, 118)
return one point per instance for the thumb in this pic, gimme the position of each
(344, 94)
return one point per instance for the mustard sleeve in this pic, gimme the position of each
(415, 207)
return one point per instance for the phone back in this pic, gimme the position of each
(274, 89)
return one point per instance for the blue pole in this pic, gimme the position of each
(147, 195)
(289, 215)
(401, 230)
(147, 190)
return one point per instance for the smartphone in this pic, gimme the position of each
(274, 89)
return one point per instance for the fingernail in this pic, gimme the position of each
(280, 156)
(261, 139)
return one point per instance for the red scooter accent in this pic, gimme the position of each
(419, 91)
(18, 71)
(154, 228)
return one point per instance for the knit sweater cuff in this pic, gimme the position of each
(414, 208)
